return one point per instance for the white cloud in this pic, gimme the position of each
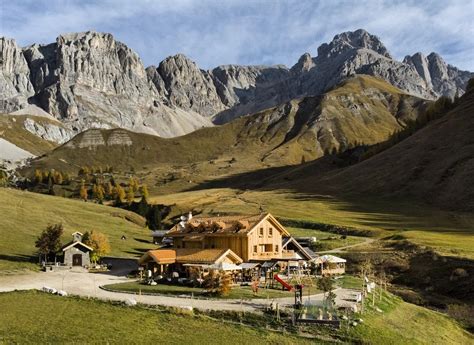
(249, 32)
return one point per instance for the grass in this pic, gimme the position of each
(349, 282)
(326, 240)
(34, 317)
(24, 215)
(12, 130)
(241, 292)
(447, 232)
(405, 323)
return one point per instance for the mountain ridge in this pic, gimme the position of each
(108, 87)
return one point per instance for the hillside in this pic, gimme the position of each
(25, 215)
(436, 164)
(361, 110)
(24, 132)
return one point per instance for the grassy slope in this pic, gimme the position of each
(235, 293)
(24, 215)
(11, 129)
(32, 317)
(276, 136)
(405, 323)
(435, 164)
(27, 318)
(448, 232)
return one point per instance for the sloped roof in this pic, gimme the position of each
(310, 252)
(223, 225)
(160, 256)
(207, 256)
(291, 240)
(188, 255)
(74, 244)
(330, 258)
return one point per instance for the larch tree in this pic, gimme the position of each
(83, 192)
(144, 191)
(100, 243)
(130, 195)
(38, 176)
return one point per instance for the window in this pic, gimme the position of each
(261, 232)
(262, 248)
(268, 248)
(270, 231)
(254, 249)
(276, 247)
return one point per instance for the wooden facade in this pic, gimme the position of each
(253, 238)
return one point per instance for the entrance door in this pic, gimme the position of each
(77, 260)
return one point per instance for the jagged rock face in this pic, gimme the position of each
(304, 64)
(47, 131)
(359, 39)
(444, 79)
(187, 87)
(89, 80)
(15, 85)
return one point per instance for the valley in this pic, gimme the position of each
(351, 152)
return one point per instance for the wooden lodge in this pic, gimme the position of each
(250, 239)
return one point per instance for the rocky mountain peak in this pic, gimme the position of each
(352, 40)
(304, 64)
(186, 86)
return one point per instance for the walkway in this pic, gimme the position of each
(88, 285)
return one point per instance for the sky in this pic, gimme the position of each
(248, 32)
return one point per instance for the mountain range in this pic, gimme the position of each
(89, 80)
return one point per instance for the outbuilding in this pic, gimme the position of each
(76, 253)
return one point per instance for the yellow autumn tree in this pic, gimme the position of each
(100, 243)
(83, 192)
(130, 195)
(144, 191)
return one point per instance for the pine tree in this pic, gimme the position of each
(109, 190)
(49, 242)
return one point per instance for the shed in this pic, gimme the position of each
(77, 254)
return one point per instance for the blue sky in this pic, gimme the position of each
(248, 32)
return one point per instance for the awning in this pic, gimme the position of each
(249, 265)
(224, 266)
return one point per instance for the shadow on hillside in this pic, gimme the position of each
(142, 240)
(137, 251)
(18, 257)
(381, 211)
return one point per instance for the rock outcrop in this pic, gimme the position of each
(15, 85)
(442, 78)
(89, 80)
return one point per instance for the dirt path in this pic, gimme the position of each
(368, 240)
(88, 285)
